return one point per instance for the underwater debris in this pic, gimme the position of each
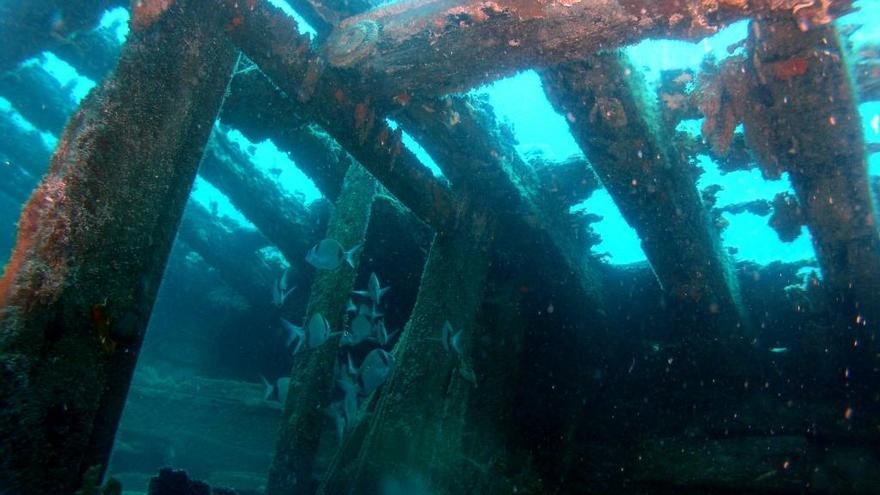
(328, 254)
(787, 218)
(177, 482)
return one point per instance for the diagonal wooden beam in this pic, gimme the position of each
(269, 37)
(93, 240)
(809, 126)
(283, 219)
(312, 377)
(612, 116)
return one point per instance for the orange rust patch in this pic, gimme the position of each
(27, 235)
(403, 98)
(146, 12)
(234, 23)
(792, 67)
(360, 115)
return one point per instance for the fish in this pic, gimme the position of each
(361, 330)
(370, 312)
(468, 374)
(276, 391)
(280, 289)
(778, 350)
(382, 335)
(294, 334)
(450, 339)
(317, 331)
(375, 370)
(328, 254)
(350, 307)
(374, 291)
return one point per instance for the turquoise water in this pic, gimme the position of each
(543, 132)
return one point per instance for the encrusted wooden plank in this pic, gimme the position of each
(93, 240)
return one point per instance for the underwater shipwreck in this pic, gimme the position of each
(433, 332)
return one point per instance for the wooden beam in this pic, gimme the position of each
(566, 183)
(92, 53)
(312, 376)
(607, 106)
(257, 108)
(231, 251)
(478, 156)
(22, 148)
(418, 427)
(283, 219)
(809, 126)
(92, 244)
(269, 38)
(433, 47)
(324, 15)
(38, 97)
(799, 113)
(26, 29)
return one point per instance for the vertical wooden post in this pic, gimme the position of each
(418, 426)
(312, 375)
(93, 240)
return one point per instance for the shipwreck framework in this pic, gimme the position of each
(94, 236)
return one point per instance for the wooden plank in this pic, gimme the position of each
(613, 120)
(92, 245)
(433, 47)
(311, 381)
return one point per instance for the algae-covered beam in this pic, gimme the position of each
(478, 156)
(22, 147)
(258, 109)
(809, 126)
(418, 429)
(284, 220)
(566, 183)
(305, 413)
(28, 28)
(269, 37)
(430, 391)
(324, 15)
(613, 121)
(92, 53)
(232, 251)
(37, 96)
(92, 244)
(432, 47)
